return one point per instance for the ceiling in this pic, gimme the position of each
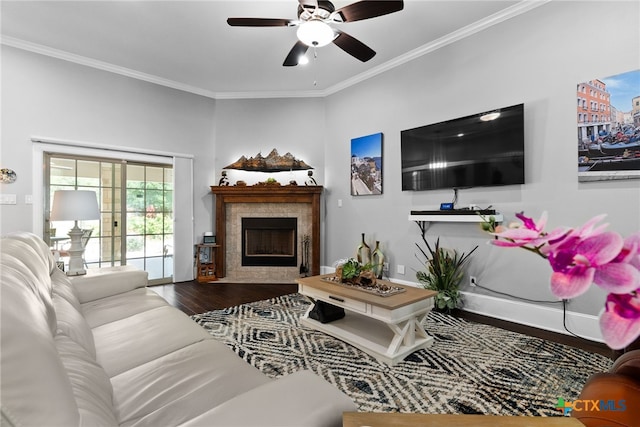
(189, 46)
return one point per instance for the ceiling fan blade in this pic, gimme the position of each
(366, 9)
(258, 22)
(295, 53)
(354, 47)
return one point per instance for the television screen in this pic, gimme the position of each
(485, 149)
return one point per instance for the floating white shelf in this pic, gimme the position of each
(472, 217)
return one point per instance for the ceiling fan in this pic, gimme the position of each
(314, 26)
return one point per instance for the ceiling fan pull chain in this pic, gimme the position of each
(315, 65)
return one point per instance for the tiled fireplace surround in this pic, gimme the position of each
(235, 202)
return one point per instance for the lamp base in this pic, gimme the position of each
(76, 264)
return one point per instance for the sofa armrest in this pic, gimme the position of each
(104, 282)
(298, 399)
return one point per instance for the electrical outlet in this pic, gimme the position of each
(473, 281)
(400, 269)
(385, 267)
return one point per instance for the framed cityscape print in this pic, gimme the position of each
(609, 127)
(366, 165)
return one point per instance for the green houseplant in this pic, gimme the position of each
(444, 271)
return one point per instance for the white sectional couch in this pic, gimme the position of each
(109, 351)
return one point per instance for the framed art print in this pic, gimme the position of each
(609, 127)
(366, 165)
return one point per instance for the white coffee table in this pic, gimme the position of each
(388, 328)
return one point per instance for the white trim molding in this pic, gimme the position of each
(536, 316)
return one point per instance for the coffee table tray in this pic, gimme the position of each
(380, 289)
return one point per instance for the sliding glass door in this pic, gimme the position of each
(149, 219)
(136, 204)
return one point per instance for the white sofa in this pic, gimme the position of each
(109, 351)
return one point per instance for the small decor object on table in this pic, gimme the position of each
(269, 181)
(224, 180)
(310, 180)
(363, 252)
(351, 273)
(582, 256)
(377, 261)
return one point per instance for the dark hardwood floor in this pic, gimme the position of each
(194, 298)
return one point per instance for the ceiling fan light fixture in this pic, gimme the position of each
(490, 116)
(303, 60)
(315, 33)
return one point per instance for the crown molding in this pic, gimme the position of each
(505, 14)
(464, 32)
(104, 66)
(272, 94)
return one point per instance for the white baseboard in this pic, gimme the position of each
(537, 316)
(524, 313)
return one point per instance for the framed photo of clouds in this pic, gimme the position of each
(366, 165)
(609, 127)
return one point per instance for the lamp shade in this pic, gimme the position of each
(74, 205)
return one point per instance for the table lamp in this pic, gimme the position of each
(75, 205)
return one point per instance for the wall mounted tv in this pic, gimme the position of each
(481, 150)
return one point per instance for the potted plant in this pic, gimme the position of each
(444, 271)
(352, 271)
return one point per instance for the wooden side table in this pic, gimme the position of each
(206, 262)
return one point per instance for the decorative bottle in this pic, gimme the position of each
(377, 259)
(363, 252)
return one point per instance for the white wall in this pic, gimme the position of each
(247, 127)
(52, 98)
(55, 99)
(536, 58)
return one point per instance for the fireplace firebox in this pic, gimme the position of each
(269, 242)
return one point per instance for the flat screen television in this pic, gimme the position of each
(480, 150)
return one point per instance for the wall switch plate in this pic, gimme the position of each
(8, 199)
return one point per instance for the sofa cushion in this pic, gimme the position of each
(73, 324)
(298, 399)
(138, 339)
(89, 382)
(35, 387)
(107, 281)
(120, 306)
(22, 259)
(62, 286)
(41, 249)
(181, 385)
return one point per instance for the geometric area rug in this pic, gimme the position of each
(471, 368)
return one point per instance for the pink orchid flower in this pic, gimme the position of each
(632, 245)
(578, 261)
(620, 322)
(531, 234)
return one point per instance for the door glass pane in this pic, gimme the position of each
(153, 246)
(62, 171)
(135, 223)
(88, 173)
